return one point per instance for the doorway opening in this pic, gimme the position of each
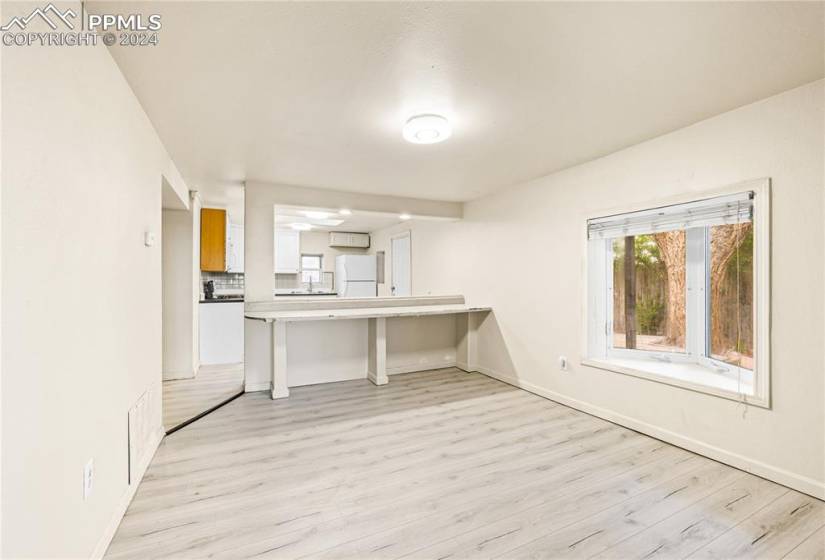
(198, 377)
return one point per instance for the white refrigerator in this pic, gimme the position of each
(355, 276)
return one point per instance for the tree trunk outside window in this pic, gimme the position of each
(723, 245)
(724, 242)
(672, 249)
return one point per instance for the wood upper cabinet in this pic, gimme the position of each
(213, 240)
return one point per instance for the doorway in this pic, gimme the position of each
(400, 255)
(198, 334)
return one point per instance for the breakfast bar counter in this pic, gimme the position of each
(376, 311)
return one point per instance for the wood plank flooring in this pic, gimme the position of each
(445, 464)
(184, 399)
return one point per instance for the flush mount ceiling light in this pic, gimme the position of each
(345, 211)
(427, 129)
(315, 215)
(301, 226)
(404, 216)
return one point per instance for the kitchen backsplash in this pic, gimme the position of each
(223, 280)
(293, 281)
(235, 281)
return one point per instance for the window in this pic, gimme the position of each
(311, 268)
(672, 294)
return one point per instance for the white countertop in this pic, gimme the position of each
(362, 312)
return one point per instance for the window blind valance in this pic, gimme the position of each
(720, 210)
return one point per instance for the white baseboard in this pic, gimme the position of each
(175, 375)
(279, 394)
(265, 386)
(803, 484)
(220, 367)
(373, 377)
(411, 368)
(126, 499)
(253, 387)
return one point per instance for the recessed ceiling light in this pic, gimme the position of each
(427, 129)
(345, 211)
(301, 226)
(404, 216)
(315, 215)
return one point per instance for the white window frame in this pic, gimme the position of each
(689, 369)
(320, 268)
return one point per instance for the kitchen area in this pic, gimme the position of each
(324, 252)
(344, 305)
(318, 254)
(308, 258)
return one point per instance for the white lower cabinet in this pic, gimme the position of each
(221, 332)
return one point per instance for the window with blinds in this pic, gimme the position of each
(717, 211)
(672, 291)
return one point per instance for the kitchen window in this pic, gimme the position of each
(678, 294)
(311, 268)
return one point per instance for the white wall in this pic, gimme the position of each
(81, 294)
(420, 343)
(432, 256)
(328, 351)
(180, 293)
(538, 318)
(423, 342)
(195, 206)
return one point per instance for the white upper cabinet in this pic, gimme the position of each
(338, 239)
(234, 249)
(360, 240)
(345, 239)
(287, 251)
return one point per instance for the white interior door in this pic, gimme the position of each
(401, 265)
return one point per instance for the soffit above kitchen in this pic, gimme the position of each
(316, 94)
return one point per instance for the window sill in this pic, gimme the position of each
(692, 376)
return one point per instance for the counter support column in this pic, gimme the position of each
(279, 388)
(377, 351)
(467, 325)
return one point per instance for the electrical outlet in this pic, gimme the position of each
(563, 363)
(88, 478)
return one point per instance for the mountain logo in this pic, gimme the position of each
(44, 14)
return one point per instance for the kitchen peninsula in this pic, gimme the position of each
(375, 312)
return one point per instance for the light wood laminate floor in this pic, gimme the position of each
(184, 399)
(446, 464)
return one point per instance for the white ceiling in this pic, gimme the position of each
(358, 221)
(315, 94)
